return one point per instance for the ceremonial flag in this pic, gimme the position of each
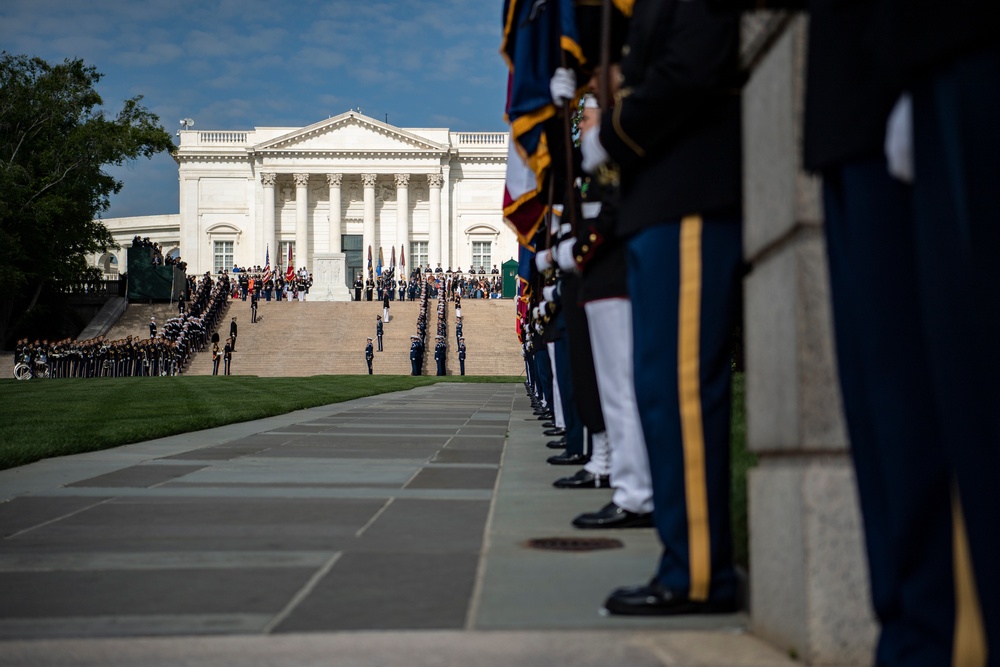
(402, 259)
(525, 262)
(378, 268)
(538, 36)
(370, 276)
(267, 264)
(289, 269)
(392, 260)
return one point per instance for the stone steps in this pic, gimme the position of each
(328, 338)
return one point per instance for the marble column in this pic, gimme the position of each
(434, 182)
(368, 234)
(330, 268)
(268, 180)
(402, 212)
(301, 221)
(334, 181)
(447, 243)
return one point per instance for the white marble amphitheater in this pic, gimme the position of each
(329, 192)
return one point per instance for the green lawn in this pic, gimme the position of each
(69, 416)
(60, 417)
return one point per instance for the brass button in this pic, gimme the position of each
(585, 248)
(593, 238)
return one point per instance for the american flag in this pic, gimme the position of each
(267, 264)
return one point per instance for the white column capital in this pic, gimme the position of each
(368, 180)
(435, 180)
(334, 180)
(402, 180)
(268, 178)
(301, 180)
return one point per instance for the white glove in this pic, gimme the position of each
(594, 154)
(543, 261)
(899, 139)
(562, 86)
(548, 292)
(564, 255)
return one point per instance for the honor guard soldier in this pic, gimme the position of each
(461, 355)
(369, 354)
(378, 331)
(227, 356)
(232, 335)
(253, 308)
(675, 134)
(910, 210)
(415, 353)
(440, 353)
(152, 327)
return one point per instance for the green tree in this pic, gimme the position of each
(55, 140)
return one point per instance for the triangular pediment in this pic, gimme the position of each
(350, 132)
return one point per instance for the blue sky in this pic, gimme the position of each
(234, 65)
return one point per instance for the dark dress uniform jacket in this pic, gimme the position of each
(675, 126)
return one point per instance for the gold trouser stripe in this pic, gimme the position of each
(970, 648)
(692, 428)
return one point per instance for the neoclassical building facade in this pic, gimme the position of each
(329, 192)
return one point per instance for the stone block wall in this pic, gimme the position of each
(808, 575)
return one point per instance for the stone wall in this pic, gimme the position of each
(808, 575)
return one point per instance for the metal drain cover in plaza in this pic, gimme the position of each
(573, 543)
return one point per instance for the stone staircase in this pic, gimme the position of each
(328, 338)
(135, 321)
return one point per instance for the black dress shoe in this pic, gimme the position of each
(545, 416)
(538, 412)
(549, 424)
(583, 480)
(654, 600)
(554, 432)
(556, 444)
(567, 459)
(612, 516)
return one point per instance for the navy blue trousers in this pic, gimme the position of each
(685, 284)
(904, 485)
(957, 227)
(567, 395)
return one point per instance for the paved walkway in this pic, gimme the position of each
(387, 531)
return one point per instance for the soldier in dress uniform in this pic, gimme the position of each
(378, 331)
(227, 356)
(369, 354)
(216, 356)
(461, 354)
(358, 286)
(152, 327)
(440, 354)
(911, 208)
(415, 355)
(254, 299)
(232, 335)
(676, 138)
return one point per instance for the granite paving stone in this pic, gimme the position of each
(404, 516)
(142, 476)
